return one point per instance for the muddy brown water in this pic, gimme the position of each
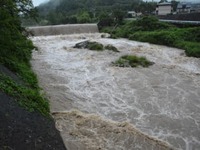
(98, 106)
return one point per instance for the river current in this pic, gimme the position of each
(98, 106)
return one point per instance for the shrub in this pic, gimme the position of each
(107, 30)
(157, 37)
(121, 32)
(113, 36)
(112, 48)
(27, 97)
(132, 61)
(89, 45)
(191, 48)
(188, 34)
(149, 29)
(146, 23)
(95, 46)
(83, 17)
(187, 39)
(149, 23)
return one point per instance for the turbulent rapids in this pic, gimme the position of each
(98, 106)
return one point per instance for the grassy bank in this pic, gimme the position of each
(15, 54)
(149, 29)
(29, 98)
(16, 58)
(27, 92)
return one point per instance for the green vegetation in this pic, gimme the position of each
(156, 37)
(15, 50)
(149, 29)
(132, 61)
(99, 47)
(107, 12)
(111, 47)
(191, 48)
(142, 24)
(29, 98)
(95, 46)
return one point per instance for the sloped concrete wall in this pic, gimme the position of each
(63, 29)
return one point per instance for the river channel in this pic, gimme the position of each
(99, 106)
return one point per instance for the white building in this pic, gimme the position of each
(164, 8)
(132, 13)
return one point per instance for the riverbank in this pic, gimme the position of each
(21, 129)
(150, 29)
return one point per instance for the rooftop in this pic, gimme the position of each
(164, 4)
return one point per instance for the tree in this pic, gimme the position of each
(174, 5)
(118, 16)
(104, 20)
(12, 38)
(144, 7)
(135, 5)
(93, 7)
(84, 17)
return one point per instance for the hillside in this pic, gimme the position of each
(87, 11)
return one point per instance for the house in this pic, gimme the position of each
(183, 8)
(164, 8)
(195, 7)
(132, 14)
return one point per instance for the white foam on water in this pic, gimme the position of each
(162, 101)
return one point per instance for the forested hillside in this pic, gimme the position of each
(88, 11)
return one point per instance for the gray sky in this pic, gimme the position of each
(37, 2)
(176, 0)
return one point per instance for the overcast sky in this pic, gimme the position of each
(37, 2)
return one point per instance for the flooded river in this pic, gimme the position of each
(99, 106)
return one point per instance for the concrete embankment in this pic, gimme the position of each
(63, 29)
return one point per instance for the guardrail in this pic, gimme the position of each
(181, 21)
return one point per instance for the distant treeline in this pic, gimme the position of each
(87, 11)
